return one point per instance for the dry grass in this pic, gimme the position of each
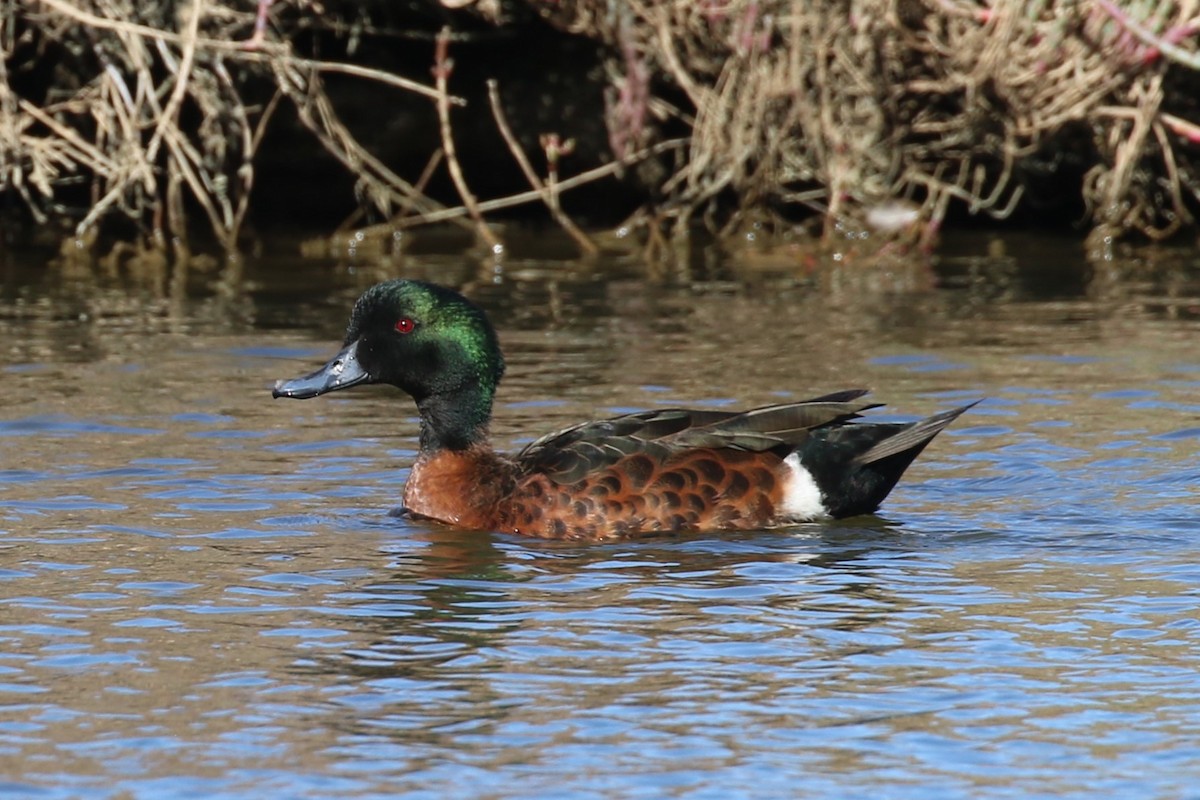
(876, 114)
(848, 107)
(113, 116)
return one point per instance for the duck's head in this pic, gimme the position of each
(427, 340)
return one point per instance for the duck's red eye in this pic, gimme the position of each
(405, 325)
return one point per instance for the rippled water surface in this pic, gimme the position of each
(202, 591)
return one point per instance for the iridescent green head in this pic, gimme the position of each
(427, 340)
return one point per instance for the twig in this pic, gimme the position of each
(1168, 48)
(1181, 127)
(251, 138)
(86, 150)
(357, 71)
(182, 75)
(430, 167)
(1181, 214)
(260, 26)
(576, 181)
(266, 53)
(443, 65)
(316, 112)
(548, 197)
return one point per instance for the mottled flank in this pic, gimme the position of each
(691, 491)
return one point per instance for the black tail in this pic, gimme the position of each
(857, 465)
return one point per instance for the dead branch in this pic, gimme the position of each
(935, 100)
(550, 198)
(121, 129)
(787, 105)
(443, 65)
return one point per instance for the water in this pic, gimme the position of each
(204, 593)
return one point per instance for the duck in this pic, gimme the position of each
(665, 470)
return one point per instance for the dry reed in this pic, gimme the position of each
(113, 118)
(872, 113)
(846, 107)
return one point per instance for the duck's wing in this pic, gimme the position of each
(571, 454)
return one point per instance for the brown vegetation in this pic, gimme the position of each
(846, 107)
(880, 115)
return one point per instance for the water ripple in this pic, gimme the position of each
(231, 610)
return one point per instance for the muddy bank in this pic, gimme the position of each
(878, 122)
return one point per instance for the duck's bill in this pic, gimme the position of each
(342, 372)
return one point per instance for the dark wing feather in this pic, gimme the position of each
(784, 420)
(916, 435)
(646, 425)
(844, 396)
(570, 454)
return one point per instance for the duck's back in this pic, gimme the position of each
(674, 470)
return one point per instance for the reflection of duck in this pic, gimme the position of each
(661, 470)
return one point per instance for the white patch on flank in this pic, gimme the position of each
(801, 498)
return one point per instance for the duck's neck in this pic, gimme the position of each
(455, 420)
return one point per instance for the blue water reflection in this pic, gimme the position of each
(206, 592)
